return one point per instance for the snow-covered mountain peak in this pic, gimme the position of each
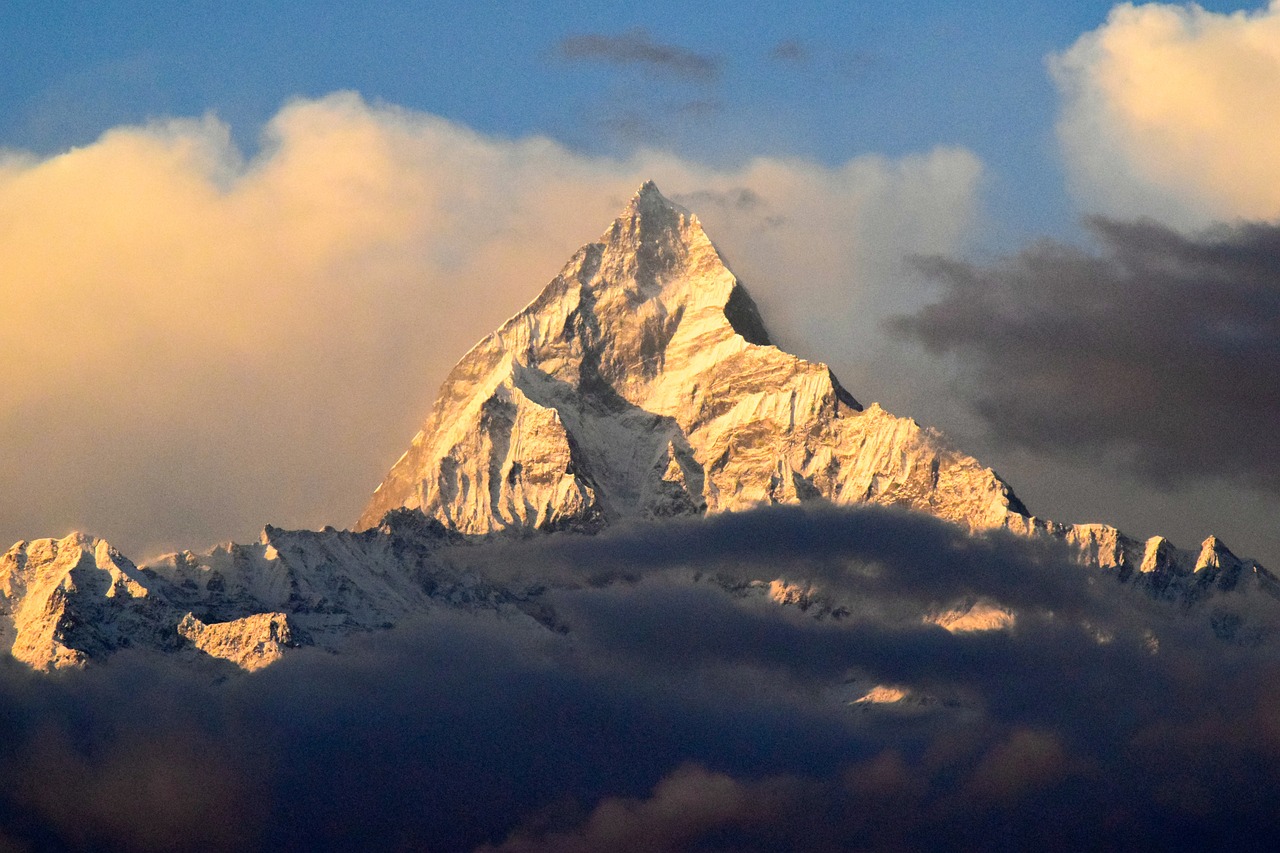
(54, 595)
(648, 198)
(642, 382)
(657, 249)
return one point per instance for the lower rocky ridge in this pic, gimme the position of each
(1156, 565)
(74, 601)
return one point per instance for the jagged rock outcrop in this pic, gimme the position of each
(64, 601)
(1154, 564)
(641, 382)
(250, 643)
(67, 602)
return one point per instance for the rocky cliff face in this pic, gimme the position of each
(63, 601)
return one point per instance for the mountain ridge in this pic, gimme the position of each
(639, 385)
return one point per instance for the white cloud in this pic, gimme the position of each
(195, 345)
(1173, 112)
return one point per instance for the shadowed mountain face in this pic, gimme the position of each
(641, 383)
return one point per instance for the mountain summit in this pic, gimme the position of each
(641, 382)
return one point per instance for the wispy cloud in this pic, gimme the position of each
(637, 47)
(789, 50)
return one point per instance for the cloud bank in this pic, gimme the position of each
(197, 342)
(1164, 348)
(1172, 112)
(679, 712)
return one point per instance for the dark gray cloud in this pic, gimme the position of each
(688, 808)
(637, 47)
(681, 710)
(1163, 347)
(738, 198)
(845, 551)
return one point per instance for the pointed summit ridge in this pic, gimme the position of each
(641, 382)
(648, 195)
(653, 239)
(655, 210)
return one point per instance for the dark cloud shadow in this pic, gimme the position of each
(1162, 347)
(680, 708)
(849, 552)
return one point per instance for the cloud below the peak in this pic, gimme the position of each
(198, 343)
(684, 708)
(1171, 111)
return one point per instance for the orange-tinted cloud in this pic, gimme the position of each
(196, 343)
(1173, 112)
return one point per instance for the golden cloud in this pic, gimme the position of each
(196, 343)
(1173, 112)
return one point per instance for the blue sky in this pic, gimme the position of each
(233, 194)
(821, 80)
